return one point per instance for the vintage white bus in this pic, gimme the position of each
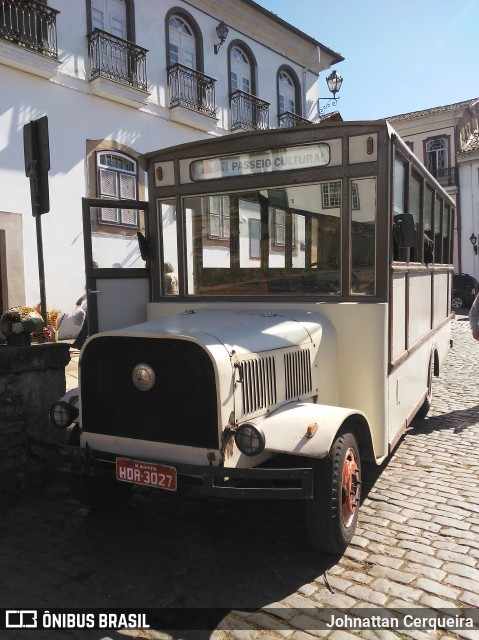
(279, 324)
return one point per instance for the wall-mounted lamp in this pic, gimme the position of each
(222, 33)
(334, 82)
(473, 239)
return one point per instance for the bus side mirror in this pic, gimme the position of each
(404, 231)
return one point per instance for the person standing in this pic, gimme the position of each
(83, 333)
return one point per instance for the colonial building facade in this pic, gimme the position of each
(118, 78)
(446, 140)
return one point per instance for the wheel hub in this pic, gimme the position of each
(351, 485)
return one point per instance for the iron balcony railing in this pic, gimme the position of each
(191, 89)
(288, 119)
(445, 177)
(117, 59)
(30, 25)
(248, 111)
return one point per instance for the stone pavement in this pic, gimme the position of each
(71, 370)
(417, 542)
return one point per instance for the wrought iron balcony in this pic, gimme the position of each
(445, 177)
(288, 119)
(191, 89)
(30, 25)
(117, 59)
(248, 111)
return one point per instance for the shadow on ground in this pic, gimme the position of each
(194, 559)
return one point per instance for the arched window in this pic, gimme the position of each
(117, 180)
(286, 92)
(182, 45)
(240, 71)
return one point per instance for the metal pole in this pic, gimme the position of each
(41, 269)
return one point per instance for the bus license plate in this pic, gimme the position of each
(146, 474)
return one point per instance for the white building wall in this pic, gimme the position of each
(76, 115)
(469, 181)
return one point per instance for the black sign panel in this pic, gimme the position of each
(37, 163)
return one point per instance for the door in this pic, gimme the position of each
(116, 267)
(242, 112)
(182, 43)
(182, 50)
(240, 71)
(110, 16)
(286, 93)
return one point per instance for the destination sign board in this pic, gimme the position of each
(285, 159)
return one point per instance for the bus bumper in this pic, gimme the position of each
(256, 483)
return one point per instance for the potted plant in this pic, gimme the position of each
(17, 325)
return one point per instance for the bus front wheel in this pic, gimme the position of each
(426, 405)
(332, 513)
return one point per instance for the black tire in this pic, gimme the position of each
(332, 515)
(93, 491)
(426, 405)
(457, 302)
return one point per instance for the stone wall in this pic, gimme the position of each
(31, 379)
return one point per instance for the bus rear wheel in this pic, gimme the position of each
(426, 405)
(332, 514)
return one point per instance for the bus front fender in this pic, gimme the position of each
(306, 429)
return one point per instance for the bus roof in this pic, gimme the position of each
(215, 141)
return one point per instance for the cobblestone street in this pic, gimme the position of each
(417, 542)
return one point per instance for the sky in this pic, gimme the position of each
(399, 55)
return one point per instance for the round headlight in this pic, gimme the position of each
(250, 439)
(62, 414)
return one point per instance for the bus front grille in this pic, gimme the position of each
(259, 384)
(180, 408)
(297, 371)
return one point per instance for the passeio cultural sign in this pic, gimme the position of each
(284, 159)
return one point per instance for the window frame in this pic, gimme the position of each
(242, 46)
(327, 201)
(447, 151)
(297, 89)
(193, 25)
(99, 167)
(130, 19)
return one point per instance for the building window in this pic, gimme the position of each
(219, 218)
(182, 46)
(355, 202)
(287, 93)
(240, 71)
(278, 220)
(117, 180)
(116, 17)
(331, 194)
(436, 154)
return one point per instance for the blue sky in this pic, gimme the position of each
(400, 55)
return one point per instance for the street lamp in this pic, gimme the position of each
(222, 33)
(334, 82)
(473, 239)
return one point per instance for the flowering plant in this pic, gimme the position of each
(54, 318)
(47, 332)
(20, 320)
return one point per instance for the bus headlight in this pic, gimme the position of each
(250, 439)
(62, 414)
